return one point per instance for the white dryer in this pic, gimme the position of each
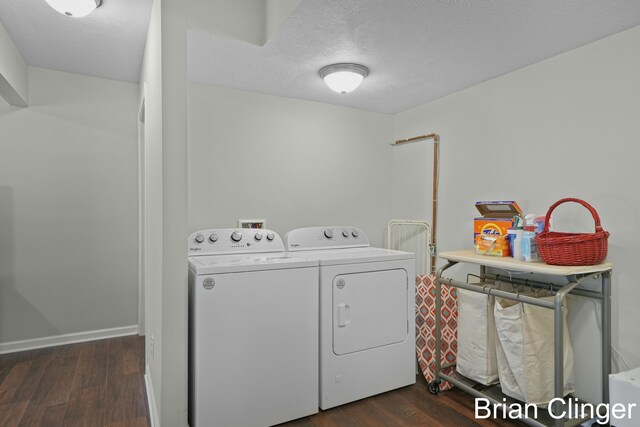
(253, 330)
(367, 313)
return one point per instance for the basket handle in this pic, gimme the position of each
(595, 215)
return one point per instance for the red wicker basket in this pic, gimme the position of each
(573, 248)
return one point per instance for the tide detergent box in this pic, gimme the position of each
(490, 230)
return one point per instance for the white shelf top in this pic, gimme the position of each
(508, 263)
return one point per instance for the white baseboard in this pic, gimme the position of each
(15, 346)
(154, 420)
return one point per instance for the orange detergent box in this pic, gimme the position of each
(494, 245)
(490, 230)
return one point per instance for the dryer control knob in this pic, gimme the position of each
(258, 236)
(236, 236)
(213, 238)
(270, 236)
(345, 233)
(199, 238)
(328, 233)
(354, 233)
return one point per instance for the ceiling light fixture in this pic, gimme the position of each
(343, 78)
(74, 8)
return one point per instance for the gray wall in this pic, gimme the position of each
(68, 208)
(294, 163)
(14, 86)
(565, 127)
(164, 89)
(151, 93)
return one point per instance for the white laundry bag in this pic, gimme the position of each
(525, 351)
(476, 358)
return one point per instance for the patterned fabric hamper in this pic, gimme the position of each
(426, 327)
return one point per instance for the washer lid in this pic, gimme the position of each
(355, 255)
(210, 264)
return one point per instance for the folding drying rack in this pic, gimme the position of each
(574, 276)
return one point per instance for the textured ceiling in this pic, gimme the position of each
(417, 50)
(109, 43)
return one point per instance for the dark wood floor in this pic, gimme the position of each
(412, 406)
(92, 384)
(101, 384)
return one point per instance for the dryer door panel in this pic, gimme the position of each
(369, 310)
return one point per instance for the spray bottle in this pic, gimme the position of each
(517, 242)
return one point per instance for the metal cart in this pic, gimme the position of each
(574, 277)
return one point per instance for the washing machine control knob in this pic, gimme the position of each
(199, 238)
(236, 236)
(270, 236)
(345, 233)
(213, 238)
(354, 233)
(258, 236)
(328, 233)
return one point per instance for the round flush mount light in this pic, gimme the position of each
(343, 78)
(74, 8)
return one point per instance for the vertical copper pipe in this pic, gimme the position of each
(434, 209)
(434, 214)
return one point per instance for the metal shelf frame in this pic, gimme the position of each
(574, 276)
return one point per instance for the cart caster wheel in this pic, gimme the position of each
(434, 387)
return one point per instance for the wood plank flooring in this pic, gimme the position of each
(92, 384)
(101, 384)
(412, 406)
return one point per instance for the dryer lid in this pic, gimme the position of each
(355, 255)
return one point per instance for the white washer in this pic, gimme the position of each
(367, 313)
(253, 330)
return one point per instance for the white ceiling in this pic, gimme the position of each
(416, 50)
(109, 43)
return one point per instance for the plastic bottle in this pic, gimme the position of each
(517, 244)
(529, 247)
(511, 234)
